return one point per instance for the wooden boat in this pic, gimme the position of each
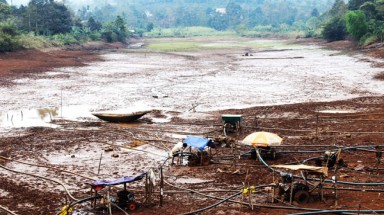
(120, 117)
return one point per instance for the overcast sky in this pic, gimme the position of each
(18, 2)
(74, 4)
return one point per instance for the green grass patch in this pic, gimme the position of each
(173, 46)
(215, 42)
(30, 41)
(192, 44)
(187, 32)
(368, 39)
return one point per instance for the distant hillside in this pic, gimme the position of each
(216, 14)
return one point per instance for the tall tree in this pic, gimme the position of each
(5, 11)
(334, 29)
(256, 17)
(356, 23)
(315, 13)
(356, 4)
(218, 21)
(115, 30)
(338, 8)
(93, 24)
(234, 14)
(369, 9)
(47, 17)
(59, 19)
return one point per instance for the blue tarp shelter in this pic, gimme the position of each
(198, 142)
(117, 181)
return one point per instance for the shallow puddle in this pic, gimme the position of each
(339, 111)
(42, 117)
(28, 118)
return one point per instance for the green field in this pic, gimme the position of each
(213, 42)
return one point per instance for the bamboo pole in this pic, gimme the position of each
(161, 186)
(273, 188)
(146, 189)
(291, 194)
(335, 176)
(109, 201)
(317, 123)
(98, 170)
(321, 188)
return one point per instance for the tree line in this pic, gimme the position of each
(42, 22)
(220, 15)
(47, 22)
(361, 20)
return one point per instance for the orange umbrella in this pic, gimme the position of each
(262, 139)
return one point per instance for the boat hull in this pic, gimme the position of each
(120, 118)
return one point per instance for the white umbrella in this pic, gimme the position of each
(262, 139)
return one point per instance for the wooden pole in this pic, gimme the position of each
(201, 157)
(274, 186)
(146, 189)
(61, 103)
(334, 187)
(291, 194)
(161, 186)
(98, 170)
(109, 201)
(378, 158)
(317, 123)
(321, 188)
(335, 176)
(149, 190)
(250, 197)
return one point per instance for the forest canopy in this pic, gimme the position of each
(49, 22)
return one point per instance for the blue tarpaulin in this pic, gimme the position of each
(198, 142)
(117, 181)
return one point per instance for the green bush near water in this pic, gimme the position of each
(173, 46)
(30, 41)
(187, 32)
(7, 42)
(368, 39)
(7, 36)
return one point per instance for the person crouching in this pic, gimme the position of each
(176, 150)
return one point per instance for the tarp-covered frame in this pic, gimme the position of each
(200, 143)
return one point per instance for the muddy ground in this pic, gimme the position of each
(70, 153)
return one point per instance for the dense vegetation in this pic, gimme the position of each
(362, 20)
(43, 23)
(244, 17)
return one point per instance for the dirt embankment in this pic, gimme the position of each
(23, 62)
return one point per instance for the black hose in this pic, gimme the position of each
(316, 179)
(339, 212)
(336, 147)
(214, 205)
(80, 201)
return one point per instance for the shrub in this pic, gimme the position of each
(356, 24)
(109, 36)
(368, 39)
(30, 41)
(95, 35)
(65, 39)
(7, 34)
(334, 29)
(7, 43)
